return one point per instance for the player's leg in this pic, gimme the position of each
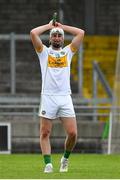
(47, 112)
(70, 126)
(45, 130)
(69, 123)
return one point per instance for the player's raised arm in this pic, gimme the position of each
(35, 35)
(76, 32)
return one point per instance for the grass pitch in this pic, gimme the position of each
(81, 166)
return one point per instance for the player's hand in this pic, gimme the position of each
(51, 24)
(57, 24)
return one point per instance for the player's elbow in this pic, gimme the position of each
(32, 33)
(81, 33)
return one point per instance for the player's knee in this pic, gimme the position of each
(45, 133)
(73, 134)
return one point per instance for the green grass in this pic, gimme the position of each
(81, 166)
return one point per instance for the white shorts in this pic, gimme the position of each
(56, 106)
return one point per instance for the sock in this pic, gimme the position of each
(47, 158)
(67, 154)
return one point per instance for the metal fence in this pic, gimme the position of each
(18, 102)
(13, 38)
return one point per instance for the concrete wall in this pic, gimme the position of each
(25, 135)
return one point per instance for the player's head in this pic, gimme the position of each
(56, 37)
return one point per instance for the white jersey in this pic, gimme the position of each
(55, 69)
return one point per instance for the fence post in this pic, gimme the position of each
(80, 71)
(12, 64)
(95, 78)
(34, 114)
(110, 133)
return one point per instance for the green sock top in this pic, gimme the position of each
(47, 158)
(67, 154)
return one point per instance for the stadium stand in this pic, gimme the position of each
(20, 17)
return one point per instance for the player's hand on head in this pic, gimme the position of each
(57, 24)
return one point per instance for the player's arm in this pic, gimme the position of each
(76, 32)
(35, 35)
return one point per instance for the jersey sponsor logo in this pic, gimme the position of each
(57, 62)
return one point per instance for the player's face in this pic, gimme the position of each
(56, 40)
